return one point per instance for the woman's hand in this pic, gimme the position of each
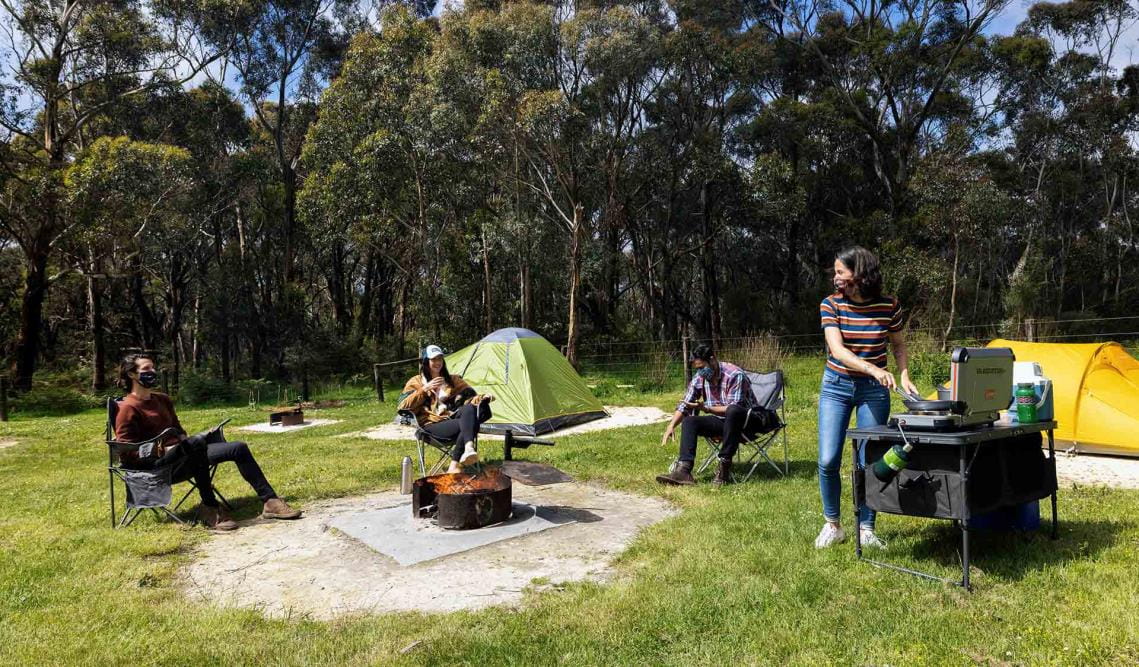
(884, 377)
(434, 384)
(907, 385)
(482, 398)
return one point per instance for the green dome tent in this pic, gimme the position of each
(536, 390)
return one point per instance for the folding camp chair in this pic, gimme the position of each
(768, 389)
(424, 440)
(146, 489)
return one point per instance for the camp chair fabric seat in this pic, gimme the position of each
(148, 489)
(769, 391)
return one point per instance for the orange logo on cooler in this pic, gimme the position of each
(990, 394)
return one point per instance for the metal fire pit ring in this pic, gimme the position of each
(460, 501)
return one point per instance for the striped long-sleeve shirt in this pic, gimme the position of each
(865, 327)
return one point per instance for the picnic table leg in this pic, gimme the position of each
(965, 522)
(1052, 455)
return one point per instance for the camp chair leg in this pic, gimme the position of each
(128, 517)
(419, 451)
(111, 475)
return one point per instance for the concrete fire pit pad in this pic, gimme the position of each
(278, 428)
(394, 532)
(311, 568)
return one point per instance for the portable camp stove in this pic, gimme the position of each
(980, 384)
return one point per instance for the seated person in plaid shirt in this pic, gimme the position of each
(723, 391)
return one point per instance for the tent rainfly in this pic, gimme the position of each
(1096, 392)
(536, 389)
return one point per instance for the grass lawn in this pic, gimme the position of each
(734, 577)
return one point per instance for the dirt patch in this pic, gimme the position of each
(305, 567)
(5, 444)
(1088, 470)
(619, 417)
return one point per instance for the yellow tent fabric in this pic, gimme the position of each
(1096, 392)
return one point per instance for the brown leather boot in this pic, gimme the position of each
(275, 508)
(723, 473)
(216, 518)
(681, 475)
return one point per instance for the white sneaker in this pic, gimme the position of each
(470, 455)
(868, 539)
(830, 535)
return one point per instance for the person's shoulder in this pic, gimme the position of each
(162, 398)
(831, 299)
(728, 368)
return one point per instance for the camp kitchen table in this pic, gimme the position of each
(956, 475)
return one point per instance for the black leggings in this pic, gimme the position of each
(193, 458)
(462, 426)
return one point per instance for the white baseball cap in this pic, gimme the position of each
(432, 351)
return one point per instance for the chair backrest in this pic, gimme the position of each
(767, 388)
(112, 415)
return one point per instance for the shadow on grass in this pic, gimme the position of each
(1012, 555)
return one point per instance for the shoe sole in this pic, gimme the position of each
(668, 480)
(295, 515)
(469, 460)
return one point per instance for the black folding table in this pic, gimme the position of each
(955, 475)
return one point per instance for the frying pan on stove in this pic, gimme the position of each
(918, 404)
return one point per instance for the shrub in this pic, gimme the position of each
(54, 401)
(761, 353)
(198, 389)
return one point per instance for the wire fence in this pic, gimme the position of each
(659, 364)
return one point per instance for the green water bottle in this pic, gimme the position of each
(1025, 403)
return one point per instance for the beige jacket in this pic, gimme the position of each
(425, 404)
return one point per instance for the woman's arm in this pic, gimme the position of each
(413, 395)
(902, 357)
(853, 362)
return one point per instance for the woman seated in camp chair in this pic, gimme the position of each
(145, 414)
(447, 407)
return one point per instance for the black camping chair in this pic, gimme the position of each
(425, 440)
(146, 489)
(769, 392)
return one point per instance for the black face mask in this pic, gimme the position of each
(148, 379)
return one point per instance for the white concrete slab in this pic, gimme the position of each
(619, 417)
(396, 533)
(266, 427)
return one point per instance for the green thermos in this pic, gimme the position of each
(1025, 403)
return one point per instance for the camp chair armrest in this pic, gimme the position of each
(135, 445)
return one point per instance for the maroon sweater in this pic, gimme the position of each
(140, 420)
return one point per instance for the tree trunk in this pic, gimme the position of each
(95, 324)
(711, 282)
(488, 317)
(574, 284)
(31, 319)
(952, 292)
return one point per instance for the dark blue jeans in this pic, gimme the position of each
(838, 398)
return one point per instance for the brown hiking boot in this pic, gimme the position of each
(681, 475)
(216, 518)
(723, 473)
(275, 508)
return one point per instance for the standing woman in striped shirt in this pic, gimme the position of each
(859, 323)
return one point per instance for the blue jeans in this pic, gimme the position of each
(839, 396)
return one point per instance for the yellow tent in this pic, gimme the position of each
(1096, 388)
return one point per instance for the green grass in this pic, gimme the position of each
(733, 578)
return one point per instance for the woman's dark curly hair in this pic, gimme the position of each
(867, 272)
(127, 366)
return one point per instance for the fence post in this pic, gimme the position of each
(3, 398)
(684, 359)
(379, 382)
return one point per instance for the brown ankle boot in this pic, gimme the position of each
(275, 508)
(723, 473)
(680, 475)
(216, 518)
